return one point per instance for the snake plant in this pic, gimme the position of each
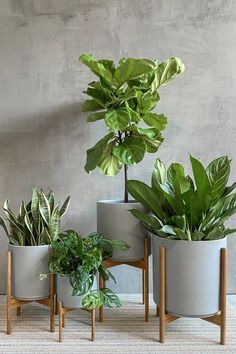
(80, 259)
(184, 208)
(125, 97)
(38, 222)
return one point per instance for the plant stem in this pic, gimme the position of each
(126, 195)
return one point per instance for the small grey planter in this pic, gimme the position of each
(192, 276)
(64, 291)
(28, 262)
(115, 222)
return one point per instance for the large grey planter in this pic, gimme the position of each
(64, 291)
(192, 276)
(115, 222)
(28, 262)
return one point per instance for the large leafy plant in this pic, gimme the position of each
(184, 208)
(123, 97)
(38, 222)
(80, 259)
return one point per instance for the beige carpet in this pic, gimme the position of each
(123, 331)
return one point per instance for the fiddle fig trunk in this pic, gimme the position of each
(126, 194)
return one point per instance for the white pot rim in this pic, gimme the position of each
(190, 242)
(116, 201)
(18, 246)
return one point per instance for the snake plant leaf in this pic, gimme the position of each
(97, 67)
(91, 106)
(143, 194)
(94, 154)
(64, 207)
(202, 183)
(117, 119)
(95, 116)
(167, 71)
(150, 221)
(51, 199)
(130, 151)
(44, 208)
(158, 121)
(35, 205)
(130, 69)
(22, 211)
(109, 164)
(218, 174)
(54, 224)
(4, 225)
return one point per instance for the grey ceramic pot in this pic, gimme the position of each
(64, 291)
(28, 262)
(192, 276)
(115, 222)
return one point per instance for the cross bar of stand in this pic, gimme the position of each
(141, 264)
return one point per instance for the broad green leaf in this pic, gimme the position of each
(198, 235)
(109, 164)
(117, 119)
(158, 121)
(97, 67)
(147, 101)
(229, 231)
(167, 71)
(130, 69)
(95, 116)
(193, 207)
(177, 221)
(122, 245)
(147, 219)
(94, 154)
(181, 234)
(168, 229)
(64, 207)
(202, 183)
(215, 234)
(218, 174)
(152, 145)
(130, 151)
(91, 106)
(143, 194)
(229, 189)
(159, 174)
(151, 133)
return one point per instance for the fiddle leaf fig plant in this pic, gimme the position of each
(125, 97)
(38, 222)
(80, 259)
(183, 208)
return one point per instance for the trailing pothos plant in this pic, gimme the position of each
(182, 208)
(38, 221)
(124, 97)
(80, 259)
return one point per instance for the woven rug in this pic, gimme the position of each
(123, 331)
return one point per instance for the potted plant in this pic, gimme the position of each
(77, 260)
(30, 235)
(125, 97)
(187, 217)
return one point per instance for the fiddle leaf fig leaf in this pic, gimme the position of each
(95, 116)
(94, 154)
(91, 106)
(109, 164)
(117, 119)
(158, 121)
(98, 68)
(130, 151)
(167, 71)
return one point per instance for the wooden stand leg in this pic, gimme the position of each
(143, 287)
(18, 311)
(101, 308)
(56, 304)
(162, 293)
(93, 313)
(63, 320)
(146, 280)
(60, 312)
(8, 285)
(52, 310)
(223, 283)
(157, 311)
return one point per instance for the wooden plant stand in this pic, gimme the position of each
(62, 313)
(164, 317)
(16, 303)
(141, 264)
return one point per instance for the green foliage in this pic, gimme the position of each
(183, 208)
(123, 97)
(80, 259)
(38, 221)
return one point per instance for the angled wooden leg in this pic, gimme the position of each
(56, 304)
(223, 278)
(63, 320)
(162, 293)
(18, 311)
(101, 308)
(8, 286)
(157, 311)
(60, 312)
(146, 280)
(52, 310)
(143, 287)
(93, 314)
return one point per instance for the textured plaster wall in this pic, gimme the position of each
(43, 134)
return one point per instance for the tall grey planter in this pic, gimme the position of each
(64, 293)
(28, 262)
(115, 222)
(192, 276)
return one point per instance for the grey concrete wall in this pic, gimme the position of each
(43, 134)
